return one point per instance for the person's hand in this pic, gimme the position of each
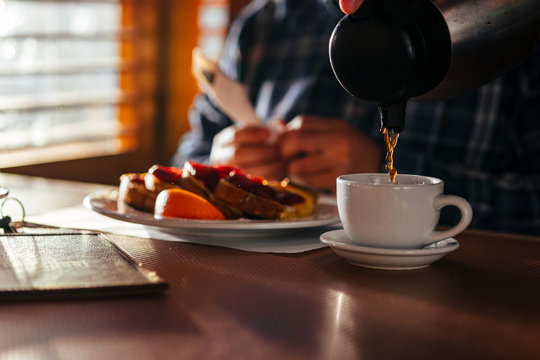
(252, 149)
(317, 150)
(350, 6)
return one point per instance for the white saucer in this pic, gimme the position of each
(386, 259)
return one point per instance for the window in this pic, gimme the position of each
(106, 84)
(67, 74)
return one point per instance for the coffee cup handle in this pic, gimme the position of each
(466, 217)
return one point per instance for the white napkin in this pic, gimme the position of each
(81, 218)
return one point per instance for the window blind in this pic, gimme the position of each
(66, 88)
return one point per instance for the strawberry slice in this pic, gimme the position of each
(245, 183)
(288, 198)
(208, 175)
(166, 174)
(224, 171)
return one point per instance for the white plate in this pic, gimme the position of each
(106, 203)
(386, 259)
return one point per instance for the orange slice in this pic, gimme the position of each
(185, 204)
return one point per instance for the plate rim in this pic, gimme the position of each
(191, 225)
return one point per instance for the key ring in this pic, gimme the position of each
(18, 202)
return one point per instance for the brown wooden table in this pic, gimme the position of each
(481, 301)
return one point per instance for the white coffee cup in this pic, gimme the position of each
(378, 213)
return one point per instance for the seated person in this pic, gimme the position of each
(281, 56)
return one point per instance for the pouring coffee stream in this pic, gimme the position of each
(392, 120)
(390, 51)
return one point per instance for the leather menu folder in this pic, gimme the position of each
(69, 265)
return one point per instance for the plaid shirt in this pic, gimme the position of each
(484, 144)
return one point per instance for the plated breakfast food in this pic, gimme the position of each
(214, 193)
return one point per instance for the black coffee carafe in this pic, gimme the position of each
(390, 51)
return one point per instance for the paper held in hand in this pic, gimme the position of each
(229, 95)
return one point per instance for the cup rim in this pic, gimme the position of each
(428, 180)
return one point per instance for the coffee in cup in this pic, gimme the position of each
(379, 213)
